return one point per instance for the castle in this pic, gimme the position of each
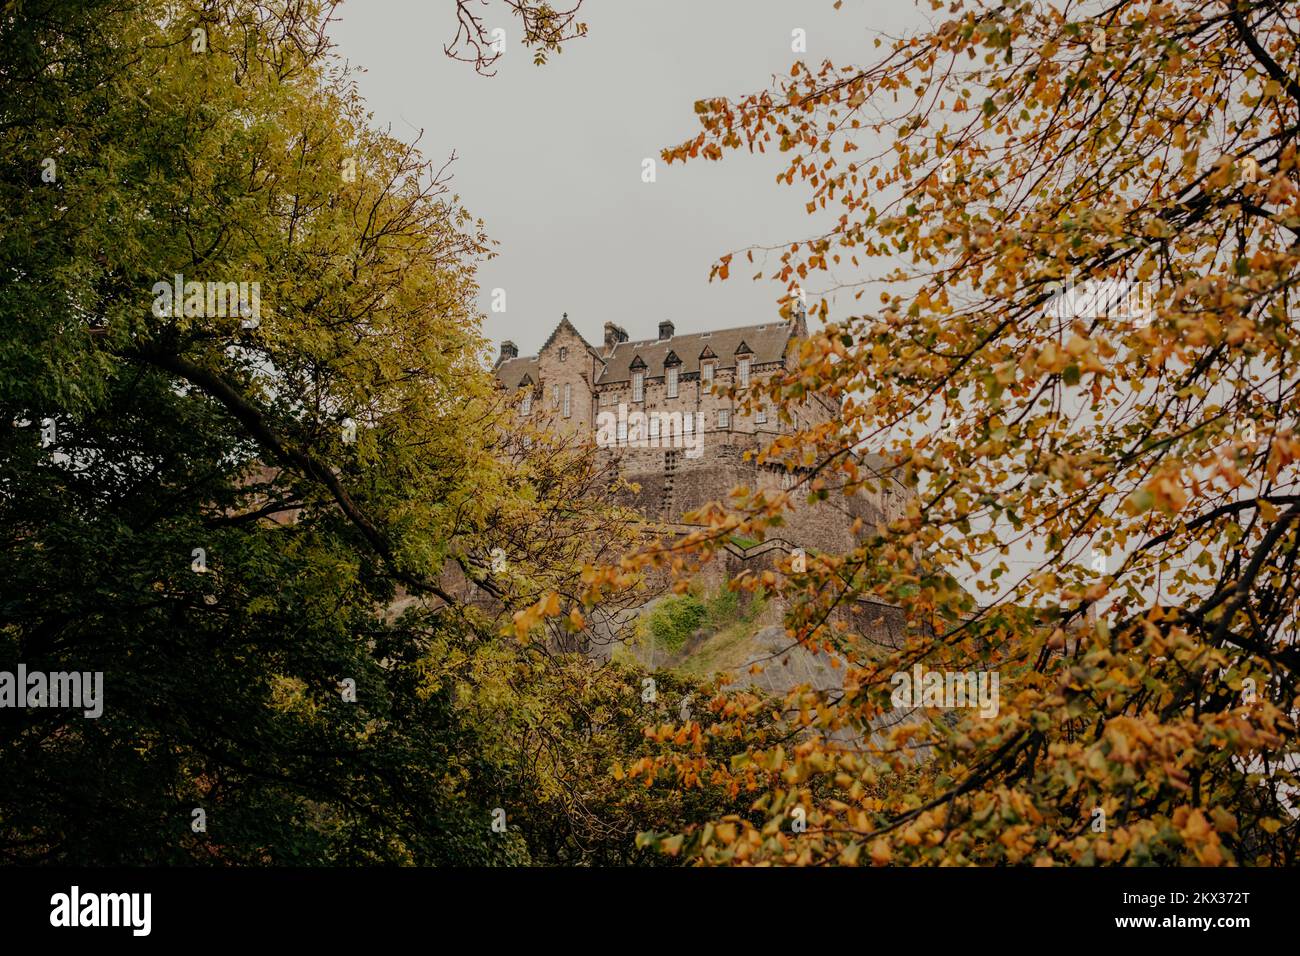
(663, 407)
(663, 410)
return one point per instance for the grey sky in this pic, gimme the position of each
(550, 157)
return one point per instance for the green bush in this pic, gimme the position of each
(674, 620)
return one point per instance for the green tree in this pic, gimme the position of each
(271, 523)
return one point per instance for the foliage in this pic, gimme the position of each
(545, 29)
(674, 620)
(235, 520)
(1142, 461)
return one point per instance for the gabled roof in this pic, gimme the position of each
(764, 343)
(512, 373)
(566, 324)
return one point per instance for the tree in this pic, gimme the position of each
(1082, 231)
(255, 472)
(545, 30)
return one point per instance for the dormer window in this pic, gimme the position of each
(637, 369)
(672, 368)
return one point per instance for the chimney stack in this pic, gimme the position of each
(799, 316)
(665, 330)
(508, 351)
(613, 335)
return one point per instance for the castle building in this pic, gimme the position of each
(672, 380)
(663, 406)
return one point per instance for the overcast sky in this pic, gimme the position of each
(550, 157)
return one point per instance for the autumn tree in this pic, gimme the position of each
(286, 522)
(1054, 263)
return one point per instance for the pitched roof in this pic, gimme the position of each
(512, 372)
(767, 343)
(565, 324)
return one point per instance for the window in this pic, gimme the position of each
(622, 431)
(527, 406)
(564, 353)
(555, 396)
(724, 419)
(672, 381)
(742, 370)
(568, 394)
(688, 423)
(761, 416)
(654, 427)
(706, 373)
(638, 386)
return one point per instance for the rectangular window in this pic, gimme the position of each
(622, 431)
(568, 392)
(564, 353)
(724, 419)
(672, 382)
(654, 427)
(706, 373)
(555, 396)
(527, 406)
(742, 371)
(638, 386)
(761, 416)
(688, 423)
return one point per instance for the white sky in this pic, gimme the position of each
(550, 157)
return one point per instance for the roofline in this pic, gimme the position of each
(732, 328)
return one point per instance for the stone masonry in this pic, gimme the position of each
(661, 407)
